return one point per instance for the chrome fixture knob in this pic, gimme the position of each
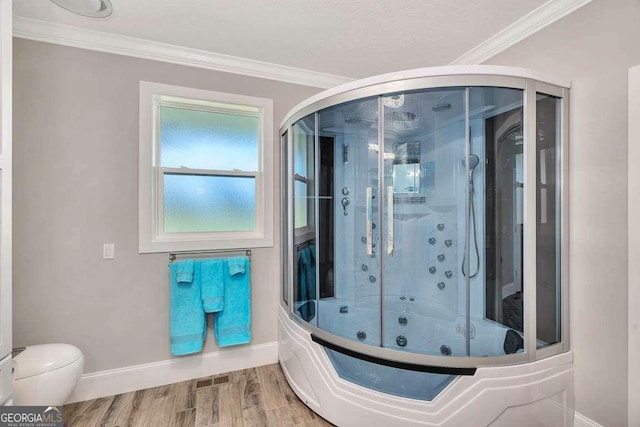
(432, 270)
(440, 226)
(441, 257)
(432, 241)
(412, 299)
(401, 340)
(345, 191)
(448, 274)
(403, 298)
(441, 286)
(345, 202)
(364, 267)
(372, 279)
(361, 335)
(363, 239)
(445, 350)
(448, 243)
(402, 320)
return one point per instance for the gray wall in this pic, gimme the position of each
(594, 47)
(76, 187)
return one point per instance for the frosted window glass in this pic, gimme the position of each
(208, 140)
(203, 203)
(300, 206)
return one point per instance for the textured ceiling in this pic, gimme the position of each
(352, 38)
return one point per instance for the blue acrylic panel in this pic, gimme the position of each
(386, 379)
(202, 203)
(208, 140)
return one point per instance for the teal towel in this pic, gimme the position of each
(187, 318)
(236, 265)
(233, 323)
(185, 271)
(213, 273)
(307, 282)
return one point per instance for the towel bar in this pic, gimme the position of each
(174, 255)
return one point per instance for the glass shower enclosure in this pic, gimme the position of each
(423, 227)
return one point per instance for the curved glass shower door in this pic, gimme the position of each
(497, 324)
(348, 228)
(424, 239)
(453, 222)
(305, 284)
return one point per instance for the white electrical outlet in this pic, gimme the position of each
(108, 251)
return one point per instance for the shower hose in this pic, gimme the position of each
(472, 210)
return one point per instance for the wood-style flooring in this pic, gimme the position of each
(251, 397)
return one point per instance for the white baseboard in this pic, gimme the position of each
(131, 378)
(580, 420)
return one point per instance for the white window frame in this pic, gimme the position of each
(152, 237)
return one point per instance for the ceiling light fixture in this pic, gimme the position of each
(393, 101)
(88, 8)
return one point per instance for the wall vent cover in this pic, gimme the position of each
(220, 380)
(204, 383)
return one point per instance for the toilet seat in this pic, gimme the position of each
(40, 359)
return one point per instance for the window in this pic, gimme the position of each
(206, 169)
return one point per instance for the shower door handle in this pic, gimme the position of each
(369, 214)
(390, 220)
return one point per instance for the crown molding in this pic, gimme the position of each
(548, 13)
(66, 35)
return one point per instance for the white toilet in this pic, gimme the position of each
(46, 374)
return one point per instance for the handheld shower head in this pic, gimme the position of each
(470, 163)
(473, 160)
